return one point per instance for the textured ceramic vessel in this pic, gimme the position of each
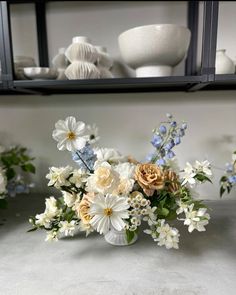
(118, 238)
(40, 73)
(104, 62)
(82, 70)
(60, 62)
(224, 64)
(81, 50)
(154, 50)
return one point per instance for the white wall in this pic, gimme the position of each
(125, 120)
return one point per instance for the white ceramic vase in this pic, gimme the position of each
(60, 62)
(104, 62)
(118, 238)
(82, 56)
(224, 64)
(154, 50)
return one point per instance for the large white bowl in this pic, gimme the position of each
(40, 73)
(154, 50)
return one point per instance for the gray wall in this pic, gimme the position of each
(125, 120)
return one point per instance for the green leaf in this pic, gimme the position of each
(28, 168)
(202, 177)
(222, 191)
(32, 229)
(129, 235)
(3, 204)
(10, 173)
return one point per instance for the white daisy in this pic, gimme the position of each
(108, 211)
(92, 134)
(69, 134)
(59, 176)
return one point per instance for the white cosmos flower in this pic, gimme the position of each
(68, 228)
(111, 156)
(69, 134)
(108, 211)
(3, 181)
(196, 219)
(58, 176)
(204, 167)
(92, 134)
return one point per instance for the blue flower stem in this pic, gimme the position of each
(82, 160)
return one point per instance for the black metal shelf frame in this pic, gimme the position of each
(192, 80)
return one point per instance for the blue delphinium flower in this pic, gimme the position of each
(162, 129)
(232, 179)
(161, 162)
(85, 157)
(177, 140)
(184, 126)
(156, 140)
(173, 124)
(170, 155)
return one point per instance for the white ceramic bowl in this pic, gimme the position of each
(154, 50)
(39, 73)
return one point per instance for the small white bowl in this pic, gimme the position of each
(39, 73)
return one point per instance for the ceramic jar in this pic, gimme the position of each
(82, 55)
(154, 50)
(60, 63)
(224, 65)
(104, 62)
(118, 238)
(20, 62)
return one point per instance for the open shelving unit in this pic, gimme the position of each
(193, 80)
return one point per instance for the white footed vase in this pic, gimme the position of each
(154, 50)
(82, 70)
(224, 64)
(118, 238)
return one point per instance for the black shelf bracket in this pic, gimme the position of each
(40, 10)
(193, 16)
(6, 54)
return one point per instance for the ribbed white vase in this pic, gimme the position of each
(118, 238)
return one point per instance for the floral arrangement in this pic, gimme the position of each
(109, 191)
(228, 180)
(15, 163)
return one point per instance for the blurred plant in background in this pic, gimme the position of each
(228, 180)
(15, 164)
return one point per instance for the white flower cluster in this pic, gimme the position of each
(194, 219)
(163, 233)
(190, 172)
(3, 183)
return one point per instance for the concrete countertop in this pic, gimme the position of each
(204, 264)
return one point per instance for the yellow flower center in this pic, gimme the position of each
(108, 211)
(71, 135)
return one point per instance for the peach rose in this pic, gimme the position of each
(150, 177)
(172, 181)
(84, 207)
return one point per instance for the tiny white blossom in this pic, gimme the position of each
(92, 134)
(67, 227)
(188, 175)
(69, 198)
(86, 227)
(167, 236)
(59, 176)
(78, 178)
(52, 236)
(204, 167)
(196, 219)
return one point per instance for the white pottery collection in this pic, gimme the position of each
(224, 64)
(118, 238)
(104, 62)
(154, 50)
